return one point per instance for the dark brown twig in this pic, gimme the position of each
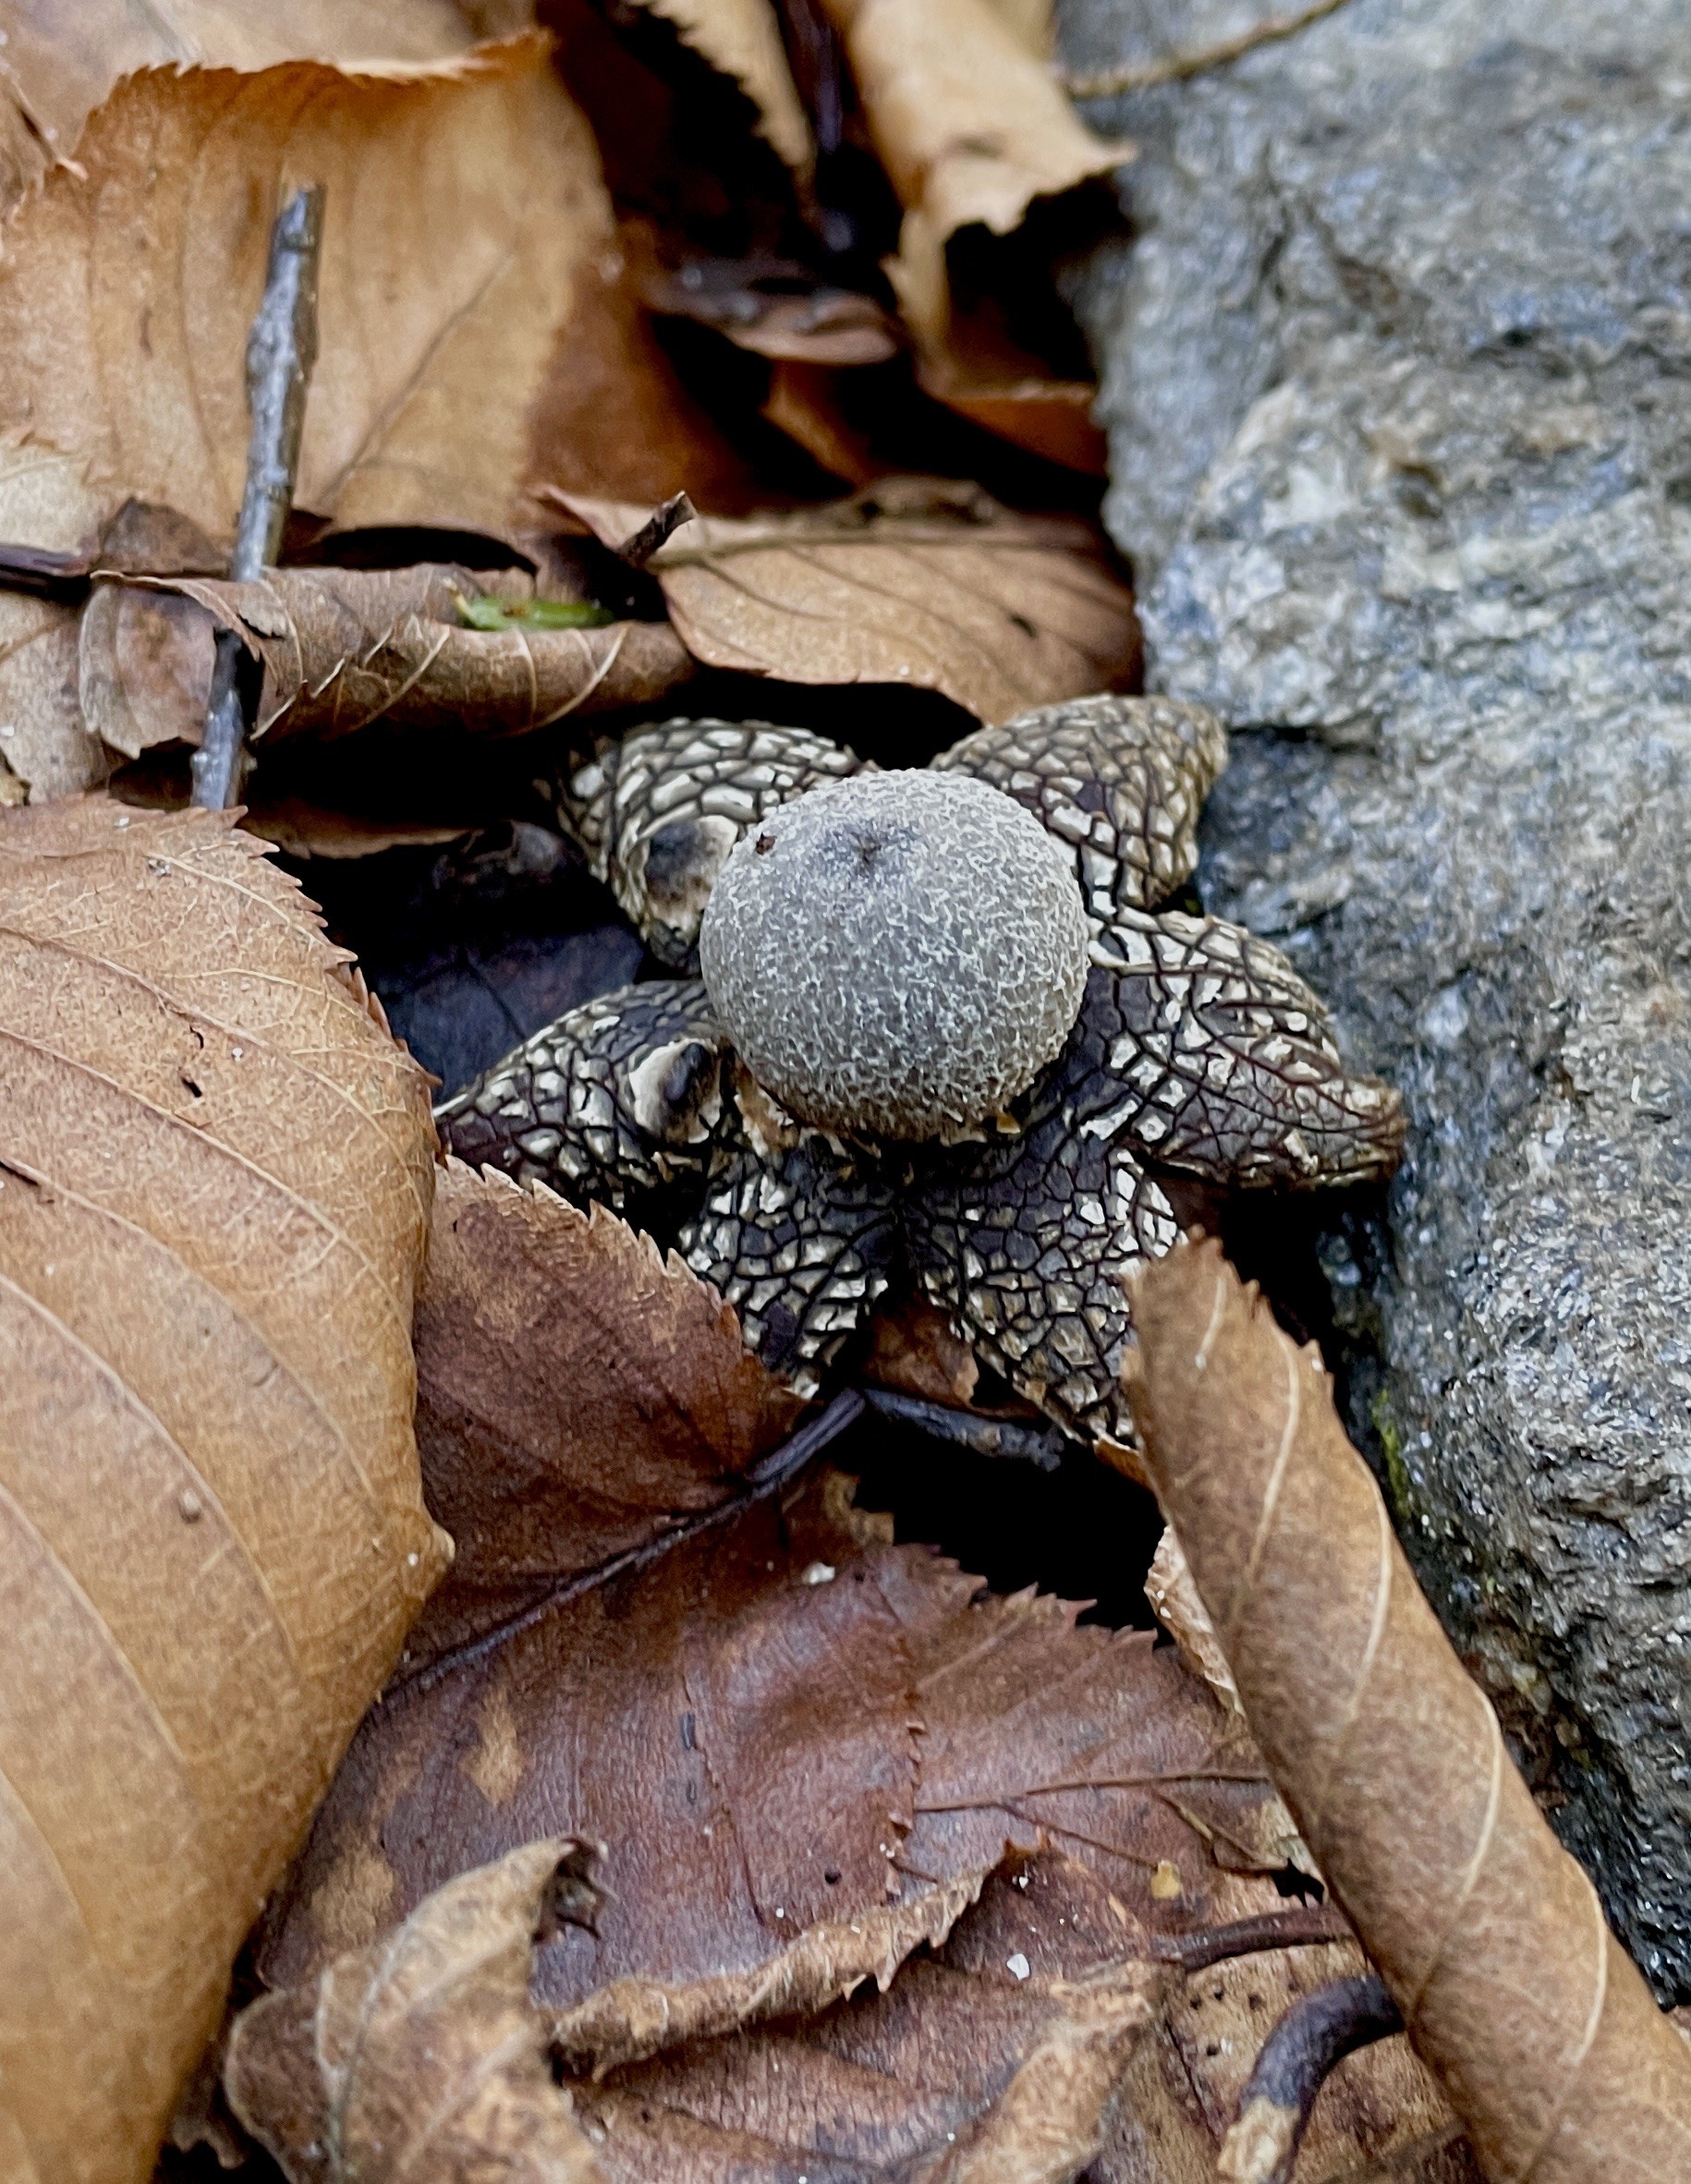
(1043, 1445)
(1244, 1937)
(1109, 83)
(659, 526)
(1297, 2059)
(280, 350)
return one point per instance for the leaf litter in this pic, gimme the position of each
(863, 1868)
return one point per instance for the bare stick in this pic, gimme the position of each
(638, 548)
(1043, 1445)
(1246, 1937)
(1109, 83)
(1297, 2059)
(280, 350)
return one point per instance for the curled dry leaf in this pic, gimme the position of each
(912, 581)
(1490, 1935)
(971, 128)
(342, 648)
(469, 292)
(422, 2057)
(47, 499)
(216, 1173)
(742, 38)
(994, 2062)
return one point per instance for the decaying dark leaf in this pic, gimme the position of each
(993, 2060)
(422, 2057)
(783, 1719)
(915, 581)
(578, 1393)
(343, 649)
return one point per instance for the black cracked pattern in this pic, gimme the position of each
(1026, 1239)
(657, 813)
(619, 1098)
(801, 1242)
(1219, 1058)
(1120, 781)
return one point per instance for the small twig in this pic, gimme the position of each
(658, 529)
(762, 1479)
(1244, 1938)
(1109, 83)
(281, 349)
(1043, 1445)
(1295, 2061)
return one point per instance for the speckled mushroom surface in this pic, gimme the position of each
(896, 956)
(1197, 1049)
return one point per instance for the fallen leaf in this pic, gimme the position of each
(776, 1720)
(342, 648)
(972, 130)
(468, 297)
(914, 581)
(914, 1349)
(1170, 1590)
(63, 56)
(216, 1178)
(742, 39)
(1489, 1935)
(422, 2057)
(994, 2060)
(45, 746)
(577, 1394)
(802, 403)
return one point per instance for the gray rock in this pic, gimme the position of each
(1398, 379)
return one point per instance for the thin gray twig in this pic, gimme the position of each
(281, 349)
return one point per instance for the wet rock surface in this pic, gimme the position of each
(1397, 374)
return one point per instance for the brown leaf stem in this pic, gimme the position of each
(1489, 1935)
(281, 349)
(1244, 1938)
(1297, 2057)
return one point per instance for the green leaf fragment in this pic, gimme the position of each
(534, 613)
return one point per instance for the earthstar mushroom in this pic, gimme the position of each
(1196, 1047)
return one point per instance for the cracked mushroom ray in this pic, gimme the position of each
(989, 1071)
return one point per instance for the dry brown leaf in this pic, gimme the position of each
(577, 1394)
(216, 1172)
(1490, 1935)
(914, 581)
(1170, 1590)
(345, 647)
(469, 292)
(422, 2057)
(993, 2062)
(914, 1349)
(801, 402)
(61, 57)
(742, 38)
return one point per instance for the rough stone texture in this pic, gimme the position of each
(1398, 380)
